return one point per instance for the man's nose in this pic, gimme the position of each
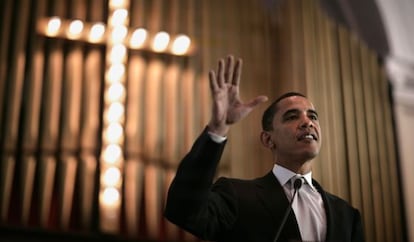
(306, 122)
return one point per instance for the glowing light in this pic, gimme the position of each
(96, 33)
(53, 26)
(111, 177)
(119, 17)
(114, 133)
(160, 43)
(75, 29)
(118, 53)
(110, 196)
(138, 38)
(119, 34)
(116, 92)
(116, 72)
(181, 45)
(115, 112)
(117, 3)
(112, 153)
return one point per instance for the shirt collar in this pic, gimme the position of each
(283, 175)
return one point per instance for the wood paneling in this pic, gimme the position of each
(51, 114)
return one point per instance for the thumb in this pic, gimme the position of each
(256, 101)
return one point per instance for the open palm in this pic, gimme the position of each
(227, 106)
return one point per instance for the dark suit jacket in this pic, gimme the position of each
(243, 210)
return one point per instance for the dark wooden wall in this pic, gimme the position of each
(51, 110)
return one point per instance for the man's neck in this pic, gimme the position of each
(297, 167)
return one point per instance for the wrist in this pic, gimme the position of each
(217, 138)
(220, 130)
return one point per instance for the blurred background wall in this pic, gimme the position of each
(66, 169)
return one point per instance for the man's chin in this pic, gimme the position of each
(311, 154)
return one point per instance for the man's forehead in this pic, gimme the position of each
(295, 102)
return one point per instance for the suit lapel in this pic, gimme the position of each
(271, 194)
(328, 211)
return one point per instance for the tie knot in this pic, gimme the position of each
(297, 181)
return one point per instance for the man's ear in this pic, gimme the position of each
(266, 139)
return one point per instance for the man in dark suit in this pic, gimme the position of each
(254, 210)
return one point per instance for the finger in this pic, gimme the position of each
(220, 73)
(256, 101)
(229, 69)
(213, 80)
(237, 72)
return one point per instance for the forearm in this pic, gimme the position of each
(195, 174)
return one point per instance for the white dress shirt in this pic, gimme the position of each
(217, 138)
(313, 225)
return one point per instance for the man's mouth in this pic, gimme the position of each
(307, 136)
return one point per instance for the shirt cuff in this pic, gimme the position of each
(217, 138)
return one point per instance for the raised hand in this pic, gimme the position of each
(228, 108)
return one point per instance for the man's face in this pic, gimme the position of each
(296, 132)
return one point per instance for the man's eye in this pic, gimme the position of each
(314, 117)
(292, 117)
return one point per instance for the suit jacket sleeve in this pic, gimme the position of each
(192, 202)
(358, 233)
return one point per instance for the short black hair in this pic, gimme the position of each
(269, 113)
